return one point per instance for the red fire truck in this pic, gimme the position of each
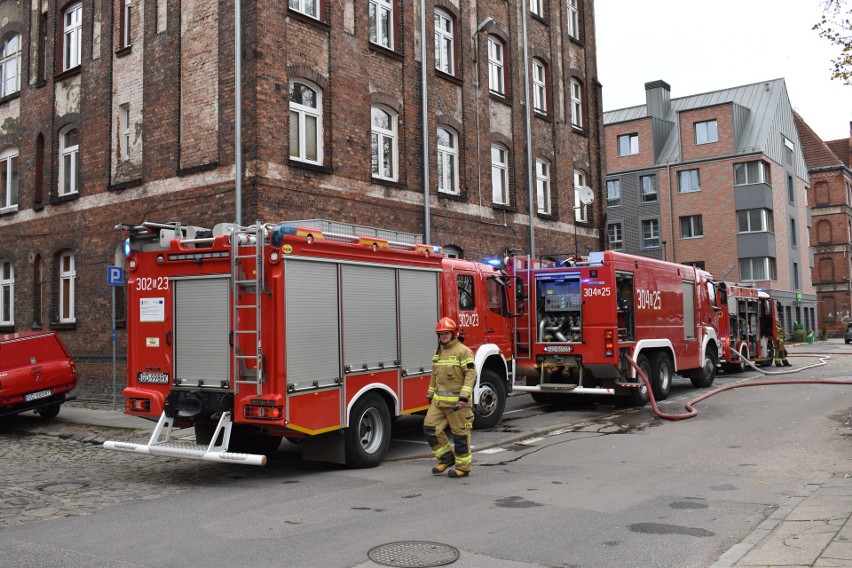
(586, 317)
(251, 334)
(746, 327)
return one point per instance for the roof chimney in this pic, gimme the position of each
(658, 98)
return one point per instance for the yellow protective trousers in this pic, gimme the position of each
(460, 422)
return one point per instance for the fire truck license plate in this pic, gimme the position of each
(37, 395)
(157, 378)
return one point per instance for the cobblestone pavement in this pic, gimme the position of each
(50, 471)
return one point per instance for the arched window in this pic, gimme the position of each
(10, 66)
(496, 66)
(500, 174)
(7, 293)
(448, 161)
(72, 36)
(305, 122)
(539, 81)
(384, 143)
(823, 232)
(444, 42)
(69, 161)
(9, 178)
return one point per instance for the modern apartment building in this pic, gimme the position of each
(830, 171)
(717, 180)
(468, 124)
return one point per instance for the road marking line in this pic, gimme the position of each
(524, 409)
(492, 451)
(531, 441)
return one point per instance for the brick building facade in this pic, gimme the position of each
(717, 180)
(120, 112)
(830, 170)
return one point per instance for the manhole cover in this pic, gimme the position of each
(413, 554)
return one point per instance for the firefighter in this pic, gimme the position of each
(450, 392)
(780, 348)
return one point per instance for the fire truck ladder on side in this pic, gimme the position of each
(247, 243)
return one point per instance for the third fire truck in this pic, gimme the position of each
(587, 317)
(747, 327)
(251, 334)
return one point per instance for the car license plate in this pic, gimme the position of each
(37, 395)
(155, 378)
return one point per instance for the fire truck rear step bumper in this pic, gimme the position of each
(561, 388)
(168, 448)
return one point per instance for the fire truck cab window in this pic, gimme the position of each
(466, 296)
(496, 296)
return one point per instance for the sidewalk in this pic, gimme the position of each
(812, 529)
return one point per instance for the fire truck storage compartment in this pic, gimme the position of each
(373, 315)
(201, 332)
(688, 309)
(559, 309)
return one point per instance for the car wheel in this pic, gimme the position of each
(49, 411)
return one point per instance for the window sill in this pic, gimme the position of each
(295, 14)
(375, 47)
(7, 328)
(65, 325)
(125, 185)
(388, 183)
(57, 199)
(552, 216)
(538, 18)
(73, 72)
(655, 202)
(9, 210)
(10, 97)
(452, 196)
(124, 51)
(544, 116)
(449, 77)
(309, 166)
(197, 169)
(500, 98)
(576, 41)
(580, 131)
(613, 206)
(504, 207)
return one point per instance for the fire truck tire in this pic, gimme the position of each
(368, 436)
(661, 375)
(637, 396)
(492, 401)
(49, 411)
(704, 376)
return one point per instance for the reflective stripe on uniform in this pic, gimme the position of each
(464, 460)
(442, 450)
(446, 398)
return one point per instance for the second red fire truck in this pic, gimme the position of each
(747, 327)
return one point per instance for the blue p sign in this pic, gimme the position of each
(115, 276)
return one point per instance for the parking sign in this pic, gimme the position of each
(115, 276)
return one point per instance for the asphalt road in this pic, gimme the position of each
(592, 486)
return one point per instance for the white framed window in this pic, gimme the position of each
(755, 221)
(542, 185)
(9, 178)
(10, 66)
(581, 210)
(444, 42)
(613, 192)
(616, 236)
(688, 181)
(539, 80)
(125, 23)
(751, 172)
(706, 132)
(381, 23)
(628, 144)
(306, 7)
(72, 38)
(648, 189)
(448, 159)
(537, 7)
(305, 122)
(7, 293)
(496, 66)
(573, 19)
(67, 281)
(577, 105)
(69, 161)
(691, 227)
(650, 233)
(760, 268)
(384, 143)
(124, 134)
(499, 175)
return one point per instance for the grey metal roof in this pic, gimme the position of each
(761, 111)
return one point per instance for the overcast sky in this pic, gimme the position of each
(698, 46)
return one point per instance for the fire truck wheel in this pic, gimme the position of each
(638, 396)
(49, 411)
(661, 375)
(492, 401)
(367, 438)
(704, 377)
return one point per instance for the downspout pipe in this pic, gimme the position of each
(528, 125)
(427, 236)
(238, 115)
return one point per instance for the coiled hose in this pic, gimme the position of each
(692, 412)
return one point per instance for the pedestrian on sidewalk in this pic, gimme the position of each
(450, 392)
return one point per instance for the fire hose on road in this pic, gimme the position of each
(692, 412)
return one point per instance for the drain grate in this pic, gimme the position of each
(413, 554)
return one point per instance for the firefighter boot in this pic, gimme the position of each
(786, 363)
(456, 474)
(445, 462)
(778, 363)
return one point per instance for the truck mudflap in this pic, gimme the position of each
(161, 444)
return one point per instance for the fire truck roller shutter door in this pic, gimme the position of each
(201, 330)
(418, 303)
(312, 323)
(369, 318)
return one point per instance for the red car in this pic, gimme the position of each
(36, 373)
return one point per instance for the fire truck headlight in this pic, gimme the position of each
(131, 264)
(160, 259)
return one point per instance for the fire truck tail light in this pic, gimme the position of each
(137, 404)
(263, 412)
(609, 344)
